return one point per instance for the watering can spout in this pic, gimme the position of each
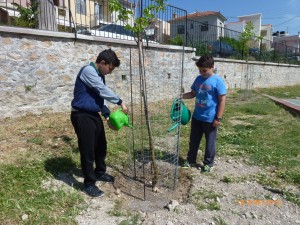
(173, 127)
(128, 125)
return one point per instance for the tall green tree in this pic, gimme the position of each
(142, 20)
(245, 38)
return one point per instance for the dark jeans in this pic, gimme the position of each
(198, 128)
(91, 142)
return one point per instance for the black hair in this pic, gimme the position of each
(206, 61)
(109, 56)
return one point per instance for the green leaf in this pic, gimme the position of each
(141, 23)
(128, 27)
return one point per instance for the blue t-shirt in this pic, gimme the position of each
(207, 91)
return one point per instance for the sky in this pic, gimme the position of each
(284, 15)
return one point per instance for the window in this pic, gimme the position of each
(56, 2)
(180, 29)
(204, 26)
(220, 29)
(59, 3)
(62, 12)
(192, 26)
(80, 7)
(263, 33)
(98, 11)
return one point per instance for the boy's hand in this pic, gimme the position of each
(216, 122)
(124, 108)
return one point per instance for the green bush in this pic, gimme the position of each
(176, 40)
(28, 15)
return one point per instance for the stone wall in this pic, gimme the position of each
(38, 70)
(242, 74)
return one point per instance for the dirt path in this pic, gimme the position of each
(228, 195)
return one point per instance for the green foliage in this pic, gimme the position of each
(266, 180)
(295, 198)
(259, 39)
(63, 28)
(228, 179)
(22, 192)
(292, 176)
(177, 40)
(282, 92)
(36, 140)
(242, 44)
(142, 22)
(117, 210)
(28, 15)
(252, 128)
(236, 44)
(255, 129)
(219, 220)
(203, 49)
(28, 88)
(205, 199)
(133, 220)
(115, 6)
(245, 38)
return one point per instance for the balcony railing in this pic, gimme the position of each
(170, 26)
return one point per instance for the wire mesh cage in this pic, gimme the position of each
(152, 148)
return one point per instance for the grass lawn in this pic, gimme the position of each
(34, 149)
(259, 129)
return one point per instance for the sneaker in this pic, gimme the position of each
(93, 191)
(105, 177)
(206, 169)
(186, 164)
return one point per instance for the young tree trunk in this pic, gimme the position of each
(47, 15)
(144, 94)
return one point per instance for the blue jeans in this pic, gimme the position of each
(198, 128)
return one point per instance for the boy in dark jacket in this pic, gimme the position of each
(90, 93)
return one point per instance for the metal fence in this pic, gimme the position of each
(170, 26)
(88, 17)
(225, 43)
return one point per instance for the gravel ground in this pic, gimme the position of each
(227, 195)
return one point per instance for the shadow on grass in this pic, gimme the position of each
(64, 169)
(68, 141)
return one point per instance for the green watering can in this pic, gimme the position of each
(119, 119)
(178, 107)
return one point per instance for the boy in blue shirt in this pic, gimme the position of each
(210, 92)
